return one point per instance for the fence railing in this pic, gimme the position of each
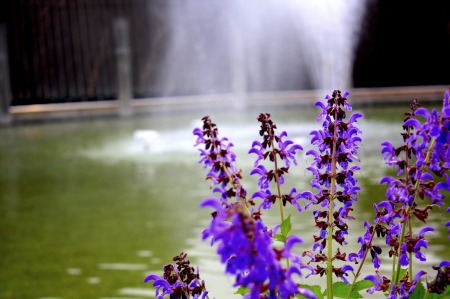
(65, 50)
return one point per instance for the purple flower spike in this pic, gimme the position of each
(245, 246)
(180, 280)
(337, 145)
(220, 160)
(268, 150)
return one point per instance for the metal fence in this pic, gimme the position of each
(64, 50)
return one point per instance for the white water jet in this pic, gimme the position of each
(259, 45)
(329, 32)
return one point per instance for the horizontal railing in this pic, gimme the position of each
(360, 96)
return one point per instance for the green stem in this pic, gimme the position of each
(198, 283)
(329, 241)
(410, 254)
(278, 187)
(185, 291)
(402, 238)
(361, 264)
(235, 184)
(232, 181)
(330, 210)
(416, 193)
(279, 193)
(409, 218)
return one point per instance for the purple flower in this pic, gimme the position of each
(257, 149)
(393, 292)
(404, 259)
(265, 176)
(245, 247)
(288, 149)
(342, 272)
(160, 284)
(381, 283)
(267, 197)
(448, 223)
(180, 280)
(442, 280)
(407, 288)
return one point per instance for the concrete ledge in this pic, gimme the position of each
(359, 96)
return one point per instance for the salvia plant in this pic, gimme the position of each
(263, 268)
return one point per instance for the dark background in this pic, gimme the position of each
(404, 43)
(63, 51)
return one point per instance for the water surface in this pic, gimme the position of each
(88, 208)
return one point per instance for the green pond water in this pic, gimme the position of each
(89, 208)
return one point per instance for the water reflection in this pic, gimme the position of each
(88, 209)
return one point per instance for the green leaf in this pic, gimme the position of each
(419, 291)
(279, 238)
(315, 288)
(362, 285)
(242, 291)
(445, 295)
(340, 289)
(286, 226)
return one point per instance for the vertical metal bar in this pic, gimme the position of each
(85, 47)
(5, 86)
(123, 56)
(35, 56)
(45, 67)
(58, 51)
(27, 46)
(14, 57)
(75, 68)
(104, 14)
(66, 47)
(52, 66)
(92, 19)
